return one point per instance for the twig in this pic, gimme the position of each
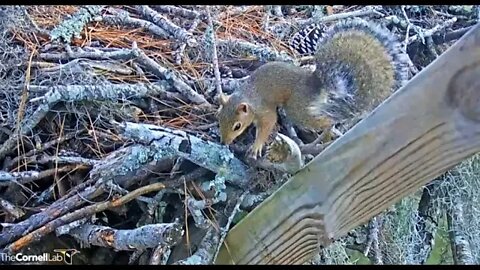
(277, 11)
(211, 33)
(431, 47)
(411, 65)
(75, 93)
(167, 74)
(73, 26)
(39, 30)
(195, 208)
(176, 31)
(266, 18)
(26, 177)
(461, 249)
(122, 18)
(78, 214)
(253, 200)
(160, 255)
(228, 85)
(65, 229)
(58, 208)
(164, 142)
(205, 251)
(374, 229)
(340, 16)
(407, 31)
(92, 53)
(43, 147)
(181, 49)
(11, 209)
(263, 53)
(432, 31)
(178, 11)
(65, 160)
(224, 230)
(44, 196)
(453, 35)
(129, 166)
(148, 236)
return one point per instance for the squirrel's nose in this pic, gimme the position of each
(225, 141)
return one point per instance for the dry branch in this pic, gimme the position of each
(181, 49)
(123, 18)
(213, 44)
(148, 236)
(25, 177)
(78, 214)
(224, 230)
(90, 53)
(163, 142)
(195, 208)
(176, 31)
(160, 255)
(177, 11)
(373, 241)
(433, 31)
(263, 53)
(55, 210)
(461, 249)
(43, 159)
(124, 167)
(206, 250)
(11, 209)
(73, 26)
(120, 166)
(142, 59)
(42, 148)
(76, 93)
(169, 75)
(367, 11)
(453, 35)
(286, 27)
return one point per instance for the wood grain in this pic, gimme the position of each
(425, 128)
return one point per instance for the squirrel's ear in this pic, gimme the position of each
(223, 99)
(242, 107)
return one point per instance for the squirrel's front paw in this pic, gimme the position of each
(254, 151)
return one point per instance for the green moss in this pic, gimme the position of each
(357, 257)
(441, 252)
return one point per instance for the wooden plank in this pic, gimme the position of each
(425, 128)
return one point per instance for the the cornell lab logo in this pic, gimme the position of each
(67, 254)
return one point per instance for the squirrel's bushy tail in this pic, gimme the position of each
(307, 41)
(389, 42)
(358, 65)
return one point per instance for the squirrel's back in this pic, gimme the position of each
(358, 65)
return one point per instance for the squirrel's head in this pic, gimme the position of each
(234, 116)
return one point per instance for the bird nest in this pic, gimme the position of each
(108, 139)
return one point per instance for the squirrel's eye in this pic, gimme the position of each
(237, 126)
